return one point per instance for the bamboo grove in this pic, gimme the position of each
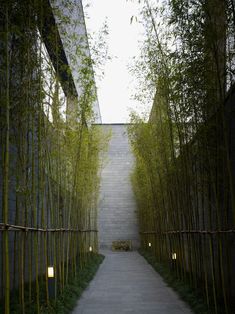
(184, 173)
(49, 175)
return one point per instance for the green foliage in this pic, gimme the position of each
(50, 147)
(183, 178)
(67, 300)
(185, 291)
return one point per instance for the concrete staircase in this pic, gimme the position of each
(117, 207)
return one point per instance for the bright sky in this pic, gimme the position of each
(117, 87)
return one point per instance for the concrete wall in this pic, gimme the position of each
(73, 35)
(117, 207)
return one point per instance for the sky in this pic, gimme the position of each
(115, 90)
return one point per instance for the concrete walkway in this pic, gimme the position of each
(126, 283)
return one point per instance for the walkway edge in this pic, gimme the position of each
(184, 291)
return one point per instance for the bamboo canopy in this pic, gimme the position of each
(49, 175)
(184, 174)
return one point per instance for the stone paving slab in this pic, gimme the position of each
(126, 283)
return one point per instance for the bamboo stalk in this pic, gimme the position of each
(5, 191)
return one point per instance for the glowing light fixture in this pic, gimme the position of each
(90, 248)
(173, 256)
(150, 244)
(50, 272)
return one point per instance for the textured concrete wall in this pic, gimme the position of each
(73, 34)
(117, 207)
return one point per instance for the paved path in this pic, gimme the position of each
(126, 283)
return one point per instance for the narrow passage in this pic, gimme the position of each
(126, 283)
